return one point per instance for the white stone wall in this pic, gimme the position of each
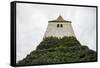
(53, 30)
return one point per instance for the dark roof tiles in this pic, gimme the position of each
(60, 19)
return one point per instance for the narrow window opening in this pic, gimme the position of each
(61, 25)
(57, 25)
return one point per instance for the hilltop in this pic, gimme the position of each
(59, 50)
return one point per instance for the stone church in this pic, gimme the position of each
(59, 28)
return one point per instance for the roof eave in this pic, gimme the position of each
(61, 21)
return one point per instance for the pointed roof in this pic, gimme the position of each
(60, 19)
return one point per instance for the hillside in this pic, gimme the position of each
(63, 50)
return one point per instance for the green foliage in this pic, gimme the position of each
(52, 42)
(59, 50)
(49, 42)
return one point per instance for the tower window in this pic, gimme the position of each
(57, 25)
(61, 25)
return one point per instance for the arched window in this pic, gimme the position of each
(57, 25)
(61, 25)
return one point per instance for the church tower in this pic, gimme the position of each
(59, 28)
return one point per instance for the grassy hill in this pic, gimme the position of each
(59, 50)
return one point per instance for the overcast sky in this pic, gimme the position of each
(32, 21)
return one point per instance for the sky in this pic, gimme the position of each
(32, 21)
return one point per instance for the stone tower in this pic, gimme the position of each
(59, 28)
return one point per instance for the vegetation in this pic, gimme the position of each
(59, 50)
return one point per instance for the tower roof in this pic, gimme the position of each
(60, 19)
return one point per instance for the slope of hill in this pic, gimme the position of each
(59, 50)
